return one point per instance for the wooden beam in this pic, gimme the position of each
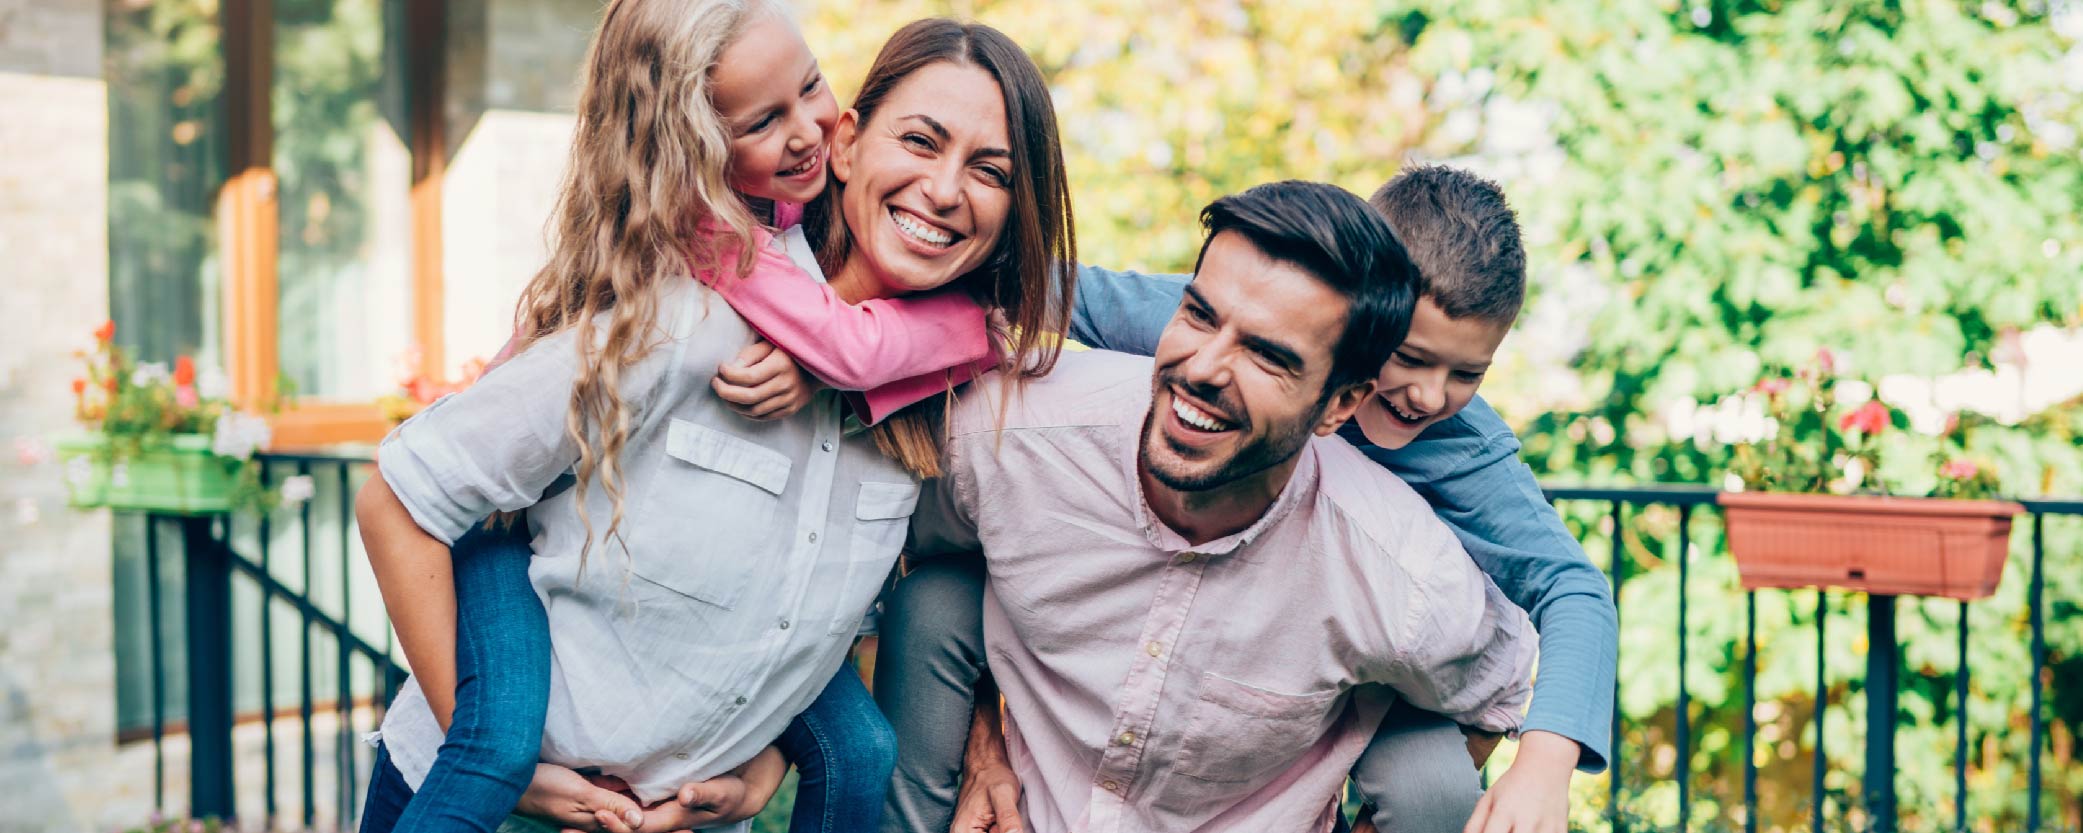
(425, 38)
(246, 208)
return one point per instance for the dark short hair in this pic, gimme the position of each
(1343, 242)
(1463, 237)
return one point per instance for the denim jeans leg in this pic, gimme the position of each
(844, 752)
(926, 672)
(502, 688)
(387, 796)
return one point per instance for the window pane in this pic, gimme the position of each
(343, 167)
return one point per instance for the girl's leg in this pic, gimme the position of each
(387, 796)
(844, 752)
(502, 689)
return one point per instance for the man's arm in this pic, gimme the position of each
(990, 796)
(1468, 469)
(1124, 311)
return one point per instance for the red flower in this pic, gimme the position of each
(1959, 469)
(79, 387)
(1871, 418)
(109, 383)
(1773, 386)
(106, 332)
(184, 371)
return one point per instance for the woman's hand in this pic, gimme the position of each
(764, 383)
(576, 803)
(1533, 795)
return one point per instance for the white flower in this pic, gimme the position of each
(298, 489)
(26, 512)
(79, 471)
(119, 476)
(148, 374)
(211, 383)
(239, 435)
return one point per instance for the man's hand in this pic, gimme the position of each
(764, 383)
(1533, 795)
(990, 798)
(577, 803)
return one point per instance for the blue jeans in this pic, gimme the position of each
(843, 749)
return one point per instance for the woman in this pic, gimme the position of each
(947, 172)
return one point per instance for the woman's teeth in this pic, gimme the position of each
(1196, 417)
(920, 231)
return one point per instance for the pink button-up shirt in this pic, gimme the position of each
(1155, 685)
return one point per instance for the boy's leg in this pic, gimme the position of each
(926, 671)
(1418, 774)
(843, 751)
(502, 688)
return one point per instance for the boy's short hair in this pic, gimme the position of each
(1463, 237)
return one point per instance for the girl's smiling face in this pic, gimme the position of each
(778, 109)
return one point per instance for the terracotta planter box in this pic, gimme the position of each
(182, 477)
(1892, 546)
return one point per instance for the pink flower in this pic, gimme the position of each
(186, 397)
(1826, 361)
(1959, 469)
(1870, 419)
(1773, 386)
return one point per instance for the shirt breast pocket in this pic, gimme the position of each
(710, 516)
(1239, 733)
(881, 515)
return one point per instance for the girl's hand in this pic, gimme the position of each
(764, 383)
(575, 803)
(725, 799)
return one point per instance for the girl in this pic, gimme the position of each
(722, 622)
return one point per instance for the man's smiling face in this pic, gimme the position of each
(1241, 368)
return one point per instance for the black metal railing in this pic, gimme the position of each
(222, 554)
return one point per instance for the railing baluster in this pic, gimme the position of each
(267, 651)
(1960, 738)
(346, 754)
(1822, 699)
(2039, 664)
(1617, 565)
(158, 663)
(310, 780)
(1684, 696)
(1750, 706)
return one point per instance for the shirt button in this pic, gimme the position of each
(813, 537)
(1110, 786)
(827, 445)
(741, 700)
(1187, 558)
(784, 624)
(1125, 739)
(680, 755)
(1153, 649)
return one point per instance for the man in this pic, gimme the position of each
(1457, 454)
(1200, 605)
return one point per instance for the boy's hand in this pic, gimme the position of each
(764, 383)
(575, 802)
(1533, 795)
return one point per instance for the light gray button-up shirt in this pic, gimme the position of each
(747, 556)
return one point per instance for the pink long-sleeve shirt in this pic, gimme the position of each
(1152, 684)
(893, 351)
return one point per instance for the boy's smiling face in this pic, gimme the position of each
(1431, 377)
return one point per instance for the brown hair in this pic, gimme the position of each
(647, 172)
(1027, 282)
(1463, 237)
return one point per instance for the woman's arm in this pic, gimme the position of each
(419, 590)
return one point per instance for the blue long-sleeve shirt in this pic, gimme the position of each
(1467, 466)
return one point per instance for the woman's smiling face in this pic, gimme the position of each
(928, 179)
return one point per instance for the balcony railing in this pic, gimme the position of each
(298, 744)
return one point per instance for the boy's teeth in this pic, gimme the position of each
(1194, 417)
(921, 231)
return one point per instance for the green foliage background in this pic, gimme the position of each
(1710, 189)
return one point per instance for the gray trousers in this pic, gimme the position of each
(1416, 772)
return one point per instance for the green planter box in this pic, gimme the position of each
(182, 476)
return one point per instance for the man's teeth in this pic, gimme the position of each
(920, 231)
(1196, 417)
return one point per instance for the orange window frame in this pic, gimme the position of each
(249, 231)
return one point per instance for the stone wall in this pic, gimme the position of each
(57, 657)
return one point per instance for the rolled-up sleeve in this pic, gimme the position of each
(495, 446)
(1476, 670)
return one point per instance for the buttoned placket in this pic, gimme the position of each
(820, 472)
(1135, 713)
